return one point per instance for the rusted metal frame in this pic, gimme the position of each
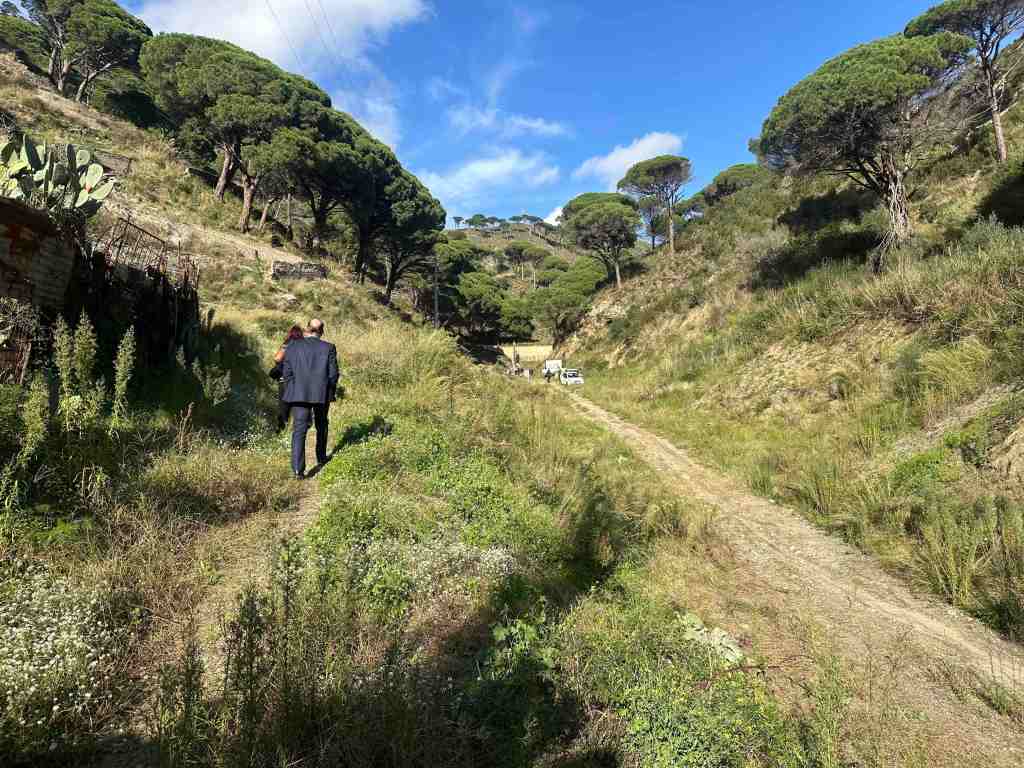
(15, 355)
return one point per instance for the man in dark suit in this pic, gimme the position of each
(310, 373)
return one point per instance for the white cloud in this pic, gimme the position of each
(378, 114)
(470, 184)
(349, 28)
(612, 167)
(506, 71)
(548, 175)
(467, 118)
(518, 124)
(440, 89)
(553, 217)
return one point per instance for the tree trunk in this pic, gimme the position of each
(53, 67)
(618, 277)
(83, 87)
(249, 187)
(288, 215)
(263, 216)
(319, 223)
(671, 228)
(895, 195)
(362, 258)
(227, 173)
(62, 75)
(997, 118)
(277, 209)
(389, 283)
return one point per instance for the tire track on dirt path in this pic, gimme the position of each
(848, 594)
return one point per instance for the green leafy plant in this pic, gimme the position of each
(54, 178)
(123, 367)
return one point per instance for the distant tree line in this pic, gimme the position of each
(871, 115)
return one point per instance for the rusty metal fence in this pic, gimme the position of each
(126, 244)
(18, 327)
(129, 245)
(15, 352)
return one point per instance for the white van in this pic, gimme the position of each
(570, 376)
(551, 367)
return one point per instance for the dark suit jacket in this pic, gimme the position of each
(310, 371)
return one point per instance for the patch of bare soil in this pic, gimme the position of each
(939, 657)
(197, 238)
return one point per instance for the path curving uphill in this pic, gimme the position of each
(850, 596)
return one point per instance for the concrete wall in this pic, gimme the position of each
(35, 264)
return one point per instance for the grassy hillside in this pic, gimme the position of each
(159, 192)
(887, 408)
(496, 241)
(482, 577)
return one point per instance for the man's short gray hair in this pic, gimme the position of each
(316, 326)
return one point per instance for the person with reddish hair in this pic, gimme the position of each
(277, 374)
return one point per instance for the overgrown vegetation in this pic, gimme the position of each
(883, 406)
(489, 580)
(473, 592)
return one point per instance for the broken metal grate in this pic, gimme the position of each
(15, 351)
(129, 245)
(186, 272)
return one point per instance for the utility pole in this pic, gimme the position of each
(437, 319)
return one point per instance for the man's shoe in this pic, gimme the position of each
(299, 476)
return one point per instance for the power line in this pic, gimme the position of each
(330, 27)
(284, 34)
(331, 52)
(320, 33)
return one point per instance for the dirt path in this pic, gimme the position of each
(246, 548)
(232, 556)
(860, 607)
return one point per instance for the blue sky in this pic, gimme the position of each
(504, 107)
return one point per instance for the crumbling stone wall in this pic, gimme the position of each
(304, 270)
(35, 262)
(40, 268)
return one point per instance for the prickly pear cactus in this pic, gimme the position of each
(58, 178)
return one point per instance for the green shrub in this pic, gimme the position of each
(682, 701)
(920, 474)
(954, 551)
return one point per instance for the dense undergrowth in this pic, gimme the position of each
(486, 582)
(473, 592)
(884, 406)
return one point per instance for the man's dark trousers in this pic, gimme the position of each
(303, 415)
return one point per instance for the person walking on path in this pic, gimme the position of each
(310, 373)
(277, 374)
